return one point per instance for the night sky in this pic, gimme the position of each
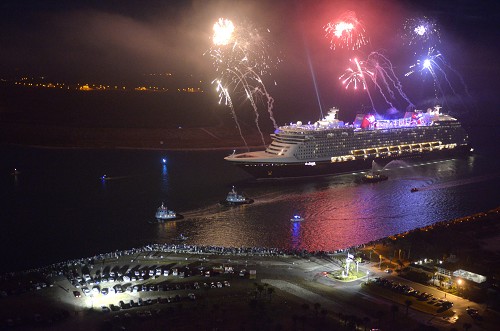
(78, 40)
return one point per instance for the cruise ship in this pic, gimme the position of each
(330, 146)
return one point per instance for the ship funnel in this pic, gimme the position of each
(334, 112)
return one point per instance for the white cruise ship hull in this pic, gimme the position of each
(283, 170)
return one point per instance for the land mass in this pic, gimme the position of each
(198, 138)
(187, 287)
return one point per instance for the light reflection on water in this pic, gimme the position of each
(342, 212)
(61, 204)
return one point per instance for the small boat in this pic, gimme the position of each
(182, 237)
(15, 172)
(164, 214)
(296, 218)
(414, 189)
(233, 199)
(374, 177)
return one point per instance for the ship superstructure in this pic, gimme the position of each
(331, 146)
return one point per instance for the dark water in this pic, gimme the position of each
(58, 208)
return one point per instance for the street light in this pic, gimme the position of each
(459, 282)
(368, 275)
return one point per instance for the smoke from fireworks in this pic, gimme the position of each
(346, 32)
(241, 59)
(421, 31)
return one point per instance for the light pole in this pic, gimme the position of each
(368, 275)
(459, 282)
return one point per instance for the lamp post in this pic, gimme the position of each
(459, 283)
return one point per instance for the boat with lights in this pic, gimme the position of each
(374, 177)
(163, 214)
(330, 146)
(296, 218)
(233, 198)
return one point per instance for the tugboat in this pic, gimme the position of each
(296, 218)
(414, 189)
(374, 177)
(164, 214)
(234, 199)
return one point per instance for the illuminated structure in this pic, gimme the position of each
(233, 198)
(331, 146)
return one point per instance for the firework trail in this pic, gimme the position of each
(421, 31)
(385, 78)
(380, 71)
(240, 56)
(435, 64)
(223, 93)
(346, 32)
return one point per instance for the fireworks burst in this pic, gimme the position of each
(223, 31)
(426, 64)
(241, 59)
(421, 31)
(346, 32)
(355, 76)
(435, 64)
